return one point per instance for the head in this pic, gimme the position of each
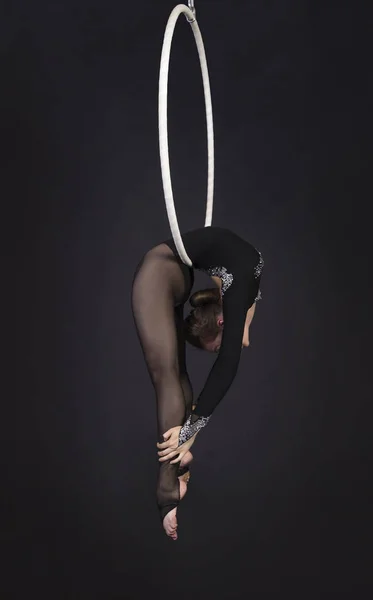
(205, 323)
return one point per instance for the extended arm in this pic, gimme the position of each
(236, 302)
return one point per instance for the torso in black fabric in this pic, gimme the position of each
(220, 252)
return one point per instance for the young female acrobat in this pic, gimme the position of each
(219, 322)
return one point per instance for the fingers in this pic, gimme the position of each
(164, 444)
(169, 456)
(167, 434)
(178, 459)
(171, 444)
(172, 441)
(165, 452)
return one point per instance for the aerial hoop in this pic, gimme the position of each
(190, 15)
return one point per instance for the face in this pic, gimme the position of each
(213, 344)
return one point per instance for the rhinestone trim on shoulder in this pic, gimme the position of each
(259, 267)
(226, 278)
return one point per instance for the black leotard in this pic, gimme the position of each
(161, 286)
(219, 251)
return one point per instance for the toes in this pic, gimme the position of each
(170, 524)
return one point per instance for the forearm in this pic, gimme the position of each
(213, 392)
(218, 383)
(224, 370)
(250, 315)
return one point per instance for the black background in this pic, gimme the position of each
(276, 503)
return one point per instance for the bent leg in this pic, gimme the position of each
(183, 373)
(154, 314)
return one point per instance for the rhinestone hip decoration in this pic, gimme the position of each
(189, 429)
(226, 278)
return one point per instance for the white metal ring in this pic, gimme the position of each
(163, 129)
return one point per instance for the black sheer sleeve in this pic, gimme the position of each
(220, 252)
(236, 302)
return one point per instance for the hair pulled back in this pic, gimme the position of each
(201, 323)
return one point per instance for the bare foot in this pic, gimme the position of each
(170, 520)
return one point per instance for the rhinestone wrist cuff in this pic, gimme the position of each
(190, 428)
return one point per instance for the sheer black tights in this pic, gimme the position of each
(160, 288)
